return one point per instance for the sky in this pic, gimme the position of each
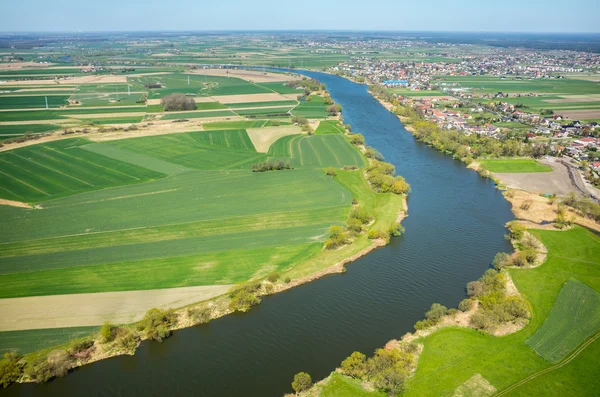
(574, 16)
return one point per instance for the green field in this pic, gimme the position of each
(31, 101)
(574, 317)
(514, 165)
(115, 120)
(29, 341)
(11, 131)
(225, 125)
(197, 115)
(51, 170)
(343, 386)
(329, 127)
(315, 109)
(316, 151)
(491, 84)
(264, 111)
(261, 104)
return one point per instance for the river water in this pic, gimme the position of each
(454, 228)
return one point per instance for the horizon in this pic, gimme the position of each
(513, 16)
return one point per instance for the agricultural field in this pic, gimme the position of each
(32, 101)
(11, 131)
(313, 109)
(574, 317)
(197, 115)
(316, 151)
(329, 127)
(514, 166)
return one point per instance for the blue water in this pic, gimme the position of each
(454, 228)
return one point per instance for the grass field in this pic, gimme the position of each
(574, 317)
(263, 111)
(50, 170)
(261, 104)
(219, 125)
(32, 340)
(343, 386)
(316, 151)
(315, 109)
(197, 115)
(25, 102)
(11, 131)
(329, 127)
(115, 120)
(514, 165)
(453, 355)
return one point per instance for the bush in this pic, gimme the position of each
(302, 381)
(330, 171)
(156, 324)
(355, 365)
(334, 109)
(273, 277)
(360, 214)
(354, 226)
(271, 166)
(127, 340)
(357, 139)
(82, 350)
(396, 229)
(453, 312)
(10, 369)
(372, 153)
(436, 312)
(200, 315)
(107, 332)
(178, 102)
(244, 296)
(517, 231)
(388, 369)
(482, 322)
(377, 234)
(501, 260)
(337, 237)
(465, 305)
(287, 280)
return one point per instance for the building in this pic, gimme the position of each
(396, 83)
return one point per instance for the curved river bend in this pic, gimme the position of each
(454, 228)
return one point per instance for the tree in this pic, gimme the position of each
(436, 312)
(107, 332)
(177, 102)
(10, 369)
(465, 305)
(501, 260)
(156, 324)
(334, 109)
(302, 381)
(355, 365)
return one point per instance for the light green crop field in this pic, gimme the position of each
(226, 125)
(263, 111)
(197, 115)
(491, 84)
(28, 341)
(329, 127)
(261, 104)
(194, 149)
(574, 317)
(342, 386)
(11, 131)
(452, 355)
(56, 169)
(314, 109)
(316, 151)
(25, 102)
(280, 88)
(514, 166)
(115, 120)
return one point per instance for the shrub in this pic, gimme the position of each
(373, 153)
(273, 277)
(517, 231)
(156, 324)
(330, 171)
(127, 340)
(287, 280)
(107, 332)
(334, 109)
(10, 369)
(271, 166)
(377, 234)
(436, 312)
(82, 350)
(396, 229)
(482, 322)
(302, 381)
(200, 315)
(357, 139)
(177, 102)
(355, 365)
(501, 260)
(337, 237)
(453, 312)
(361, 214)
(244, 296)
(465, 305)
(354, 226)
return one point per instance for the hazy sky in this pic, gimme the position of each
(443, 15)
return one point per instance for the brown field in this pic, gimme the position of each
(263, 138)
(575, 98)
(580, 114)
(557, 181)
(21, 65)
(248, 75)
(58, 311)
(246, 98)
(74, 80)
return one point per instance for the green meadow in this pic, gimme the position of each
(514, 166)
(316, 151)
(32, 101)
(10, 131)
(329, 127)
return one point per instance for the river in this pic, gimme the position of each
(454, 228)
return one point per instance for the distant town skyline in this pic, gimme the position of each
(542, 16)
